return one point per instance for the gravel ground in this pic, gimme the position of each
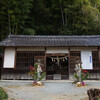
(54, 90)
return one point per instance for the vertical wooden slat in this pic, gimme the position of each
(99, 58)
(95, 57)
(23, 61)
(73, 56)
(45, 58)
(69, 61)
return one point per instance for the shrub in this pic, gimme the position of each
(3, 94)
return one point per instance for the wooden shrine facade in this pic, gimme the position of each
(24, 58)
(56, 54)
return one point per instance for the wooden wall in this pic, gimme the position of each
(11, 74)
(94, 74)
(14, 73)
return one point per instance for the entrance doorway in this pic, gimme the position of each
(57, 67)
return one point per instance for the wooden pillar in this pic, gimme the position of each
(2, 73)
(99, 54)
(71, 77)
(69, 62)
(14, 71)
(45, 63)
(72, 60)
(15, 58)
(99, 59)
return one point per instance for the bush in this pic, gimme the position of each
(3, 94)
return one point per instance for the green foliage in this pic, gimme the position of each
(75, 75)
(83, 75)
(13, 16)
(76, 17)
(97, 98)
(3, 94)
(29, 31)
(49, 17)
(33, 72)
(35, 77)
(42, 76)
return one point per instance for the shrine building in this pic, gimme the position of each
(56, 54)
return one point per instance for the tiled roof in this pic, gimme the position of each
(37, 40)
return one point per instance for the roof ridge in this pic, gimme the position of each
(55, 36)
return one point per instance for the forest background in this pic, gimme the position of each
(49, 17)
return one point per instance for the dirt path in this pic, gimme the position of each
(31, 93)
(50, 91)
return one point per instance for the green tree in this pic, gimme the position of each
(82, 18)
(49, 17)
(13, 16)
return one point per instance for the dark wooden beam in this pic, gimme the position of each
(15, 58)
(99, 56)
(3, 59)
(45, 61)
(68, 61)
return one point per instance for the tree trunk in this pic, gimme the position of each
(66, 19)
(9, 22)
(16, 29)
(62, 14)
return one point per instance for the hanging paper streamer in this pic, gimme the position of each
(58, 59)
(66, 58)
(63, 59)
(58, 63)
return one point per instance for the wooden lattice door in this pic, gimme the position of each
(40, 60)
(73, 56)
